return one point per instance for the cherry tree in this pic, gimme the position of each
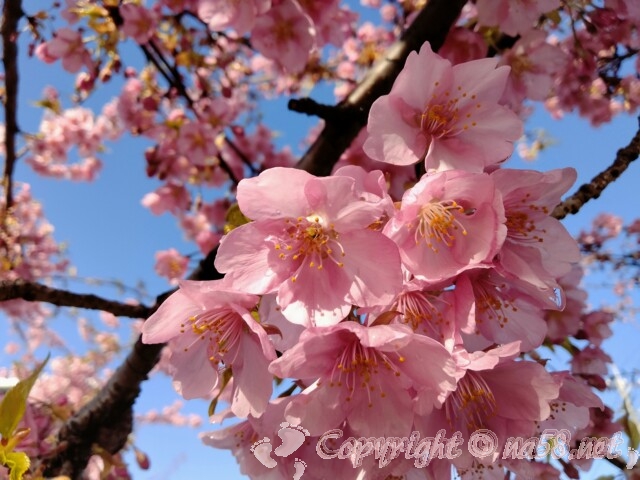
(399, 276)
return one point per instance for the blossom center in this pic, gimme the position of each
(358, 368)
(473, 402)
(447, 114)
(491, 302)
(220, 329)
(311, 240)
(283, 31)
(521, 223)
(419, 312)
(520, 64)
(439, 120)
(438, 224)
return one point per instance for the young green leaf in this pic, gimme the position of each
(14, 403)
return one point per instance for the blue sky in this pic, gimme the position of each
(111, 236)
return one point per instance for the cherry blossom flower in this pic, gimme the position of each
(171, 197)
(207, 323)
(244, 436)
(502, 312)
(285, 34)
(513, 17)
(239, 15)
(139, 22)
(68, 46)
(534, 64)
(448, 116)
(537, 249)
(463, 45)
(397, 176)
(171, 265)
(570, 411)
(494, 392)
(364, 377)
(195, 143)
(596, 326)
(447, 223)
(311, 244)
(591, 360)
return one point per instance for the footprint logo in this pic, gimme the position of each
(292, 438)
(262, 451)
(633, 458)
(300, 466)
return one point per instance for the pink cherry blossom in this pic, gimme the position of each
(591, 360)
(625, 9)
(195, 142)
(596, 326)
(604, 227)
(332, 23)
(365, 375)
(428, 310)
(140, 23)
(463, 45)
(239, 439)
(171, 265)
(447, 223)
(502, 313)
(239, 15)
(285, 34)
(448, 116)
(68, 46)
(207, 323)
(311, 244)
(397, 176)
(495, 392)
(570, 411)
(538, 249)
(513, 17)
(534, 62)
(167, 198)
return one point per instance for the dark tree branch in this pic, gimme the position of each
(107, 420)
(432, 24)
(595, 187)
(36, 292)
(310, 107)
(11, 13)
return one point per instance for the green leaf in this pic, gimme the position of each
(14, 403)
(631, 429)
(235, 218)
(226, 376)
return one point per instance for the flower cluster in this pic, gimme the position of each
(389, 317)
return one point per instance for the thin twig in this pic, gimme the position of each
(308, 106)
(595, 187)
(36, 292)
(11, 14)
(243, 157)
